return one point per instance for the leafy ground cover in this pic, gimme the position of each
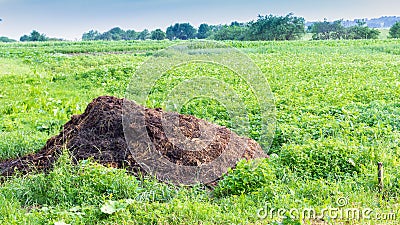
(338, 114)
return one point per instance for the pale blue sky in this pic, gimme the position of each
(69, 19)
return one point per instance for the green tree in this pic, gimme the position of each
(181, 31)
(327, 30)
(335, 30)
(34, 36)
(55, 39)
(116, 34)
(106, 36)
(236, 23)
(204, 31)
(361, 31)
(91, 35)
(271, 27)
(170, 33)
(157, 34)
(6, 39)
(394, 31)
(131, 35)
(233, 32)
(24, 38)
(145, 34)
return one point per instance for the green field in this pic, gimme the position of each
(338, 114)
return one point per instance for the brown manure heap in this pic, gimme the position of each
(98, 133)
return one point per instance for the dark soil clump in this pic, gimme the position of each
(98, 134)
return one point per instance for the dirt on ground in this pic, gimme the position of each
(98, 134)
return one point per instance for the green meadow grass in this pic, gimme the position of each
(338, 114)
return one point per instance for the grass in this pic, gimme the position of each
(337, 110)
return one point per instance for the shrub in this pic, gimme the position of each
(394, 31)
(247, 177)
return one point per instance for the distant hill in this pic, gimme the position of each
(382, 22)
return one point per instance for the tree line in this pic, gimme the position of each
(335, 30)
(265, 28)
(36, 36)
(268, 27)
